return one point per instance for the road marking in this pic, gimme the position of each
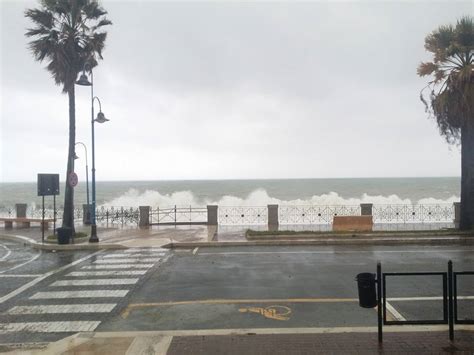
(23, 264)
(394, 312)
(271, 312)
(7, 254)
(95, 282)
(49, 327)
(195, 250)
(126, 312)
(132, 255)
(334, 252)
(147, 345)
(121, 266)
(130, 261)
(144, 249)
(60, 308)
(22, 275)
(48, 274)
(78, 294)
(107, 273)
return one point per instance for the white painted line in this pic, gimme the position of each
(195, 250)
(336, 252)
(22, 275)
(147, 345)
(107, 273)
(79, 294)
(48, 274)
(49, 327)
(124, 261)
(95, 282)
(394, 312)
(435, 298)
(23, 264)
(133, 255)
(67, 308)
(121, 266)
(7, 254)
(144, 249)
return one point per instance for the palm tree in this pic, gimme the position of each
(67, 34)
(451, 99)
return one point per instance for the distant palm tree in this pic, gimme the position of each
(67, 34)
(451, 99)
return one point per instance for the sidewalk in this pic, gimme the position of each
(401, 340)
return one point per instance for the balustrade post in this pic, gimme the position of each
(144, 221)
(273, 222)
(21, 209)
(457, 214)
(212, 215)
(366, 209)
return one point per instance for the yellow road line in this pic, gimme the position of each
(130, 307)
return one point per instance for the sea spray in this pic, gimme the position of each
(259, 197)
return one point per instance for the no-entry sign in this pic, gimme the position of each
(72, 179)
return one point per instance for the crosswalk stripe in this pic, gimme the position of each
(79, 294)
(121, 266)
(66, 308)
(132, 255)
(49, 327)
(130, 261)
(95, 282)
(134, 250)
(107, 273)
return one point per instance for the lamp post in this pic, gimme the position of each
(84, 81)
(88, 218)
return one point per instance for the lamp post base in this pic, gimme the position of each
(93, 238)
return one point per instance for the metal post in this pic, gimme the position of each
(42, 224)
(379, 302)
(175, 214)
(93, 238)
(450, 301)
(54, 214)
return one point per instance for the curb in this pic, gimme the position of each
(47, 246)
(346, 241)
(396, 234)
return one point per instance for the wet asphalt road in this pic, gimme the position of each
(222, 288)
(314, 286)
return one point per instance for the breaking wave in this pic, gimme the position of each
(259, 197)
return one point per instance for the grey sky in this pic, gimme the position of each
(199, 90)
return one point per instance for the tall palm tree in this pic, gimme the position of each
(451, 99)
(67, 34)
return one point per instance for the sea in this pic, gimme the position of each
(335, 191)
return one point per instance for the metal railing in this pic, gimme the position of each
(390, 217)
(314, 214)
(178, 215)
(243, 215)
(426, 213)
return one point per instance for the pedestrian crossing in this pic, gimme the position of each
(66, 302)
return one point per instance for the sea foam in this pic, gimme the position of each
(259, 197)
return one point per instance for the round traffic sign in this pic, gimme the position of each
(73, 179)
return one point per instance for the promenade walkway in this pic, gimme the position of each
(417, 340)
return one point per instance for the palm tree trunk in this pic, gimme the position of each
(68, 215)
(467, 176)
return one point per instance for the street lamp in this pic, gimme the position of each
(84, 81)
(88, 218)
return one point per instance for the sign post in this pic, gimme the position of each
(48, 185)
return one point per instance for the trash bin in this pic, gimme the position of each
(64, 235)
(367, 293)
